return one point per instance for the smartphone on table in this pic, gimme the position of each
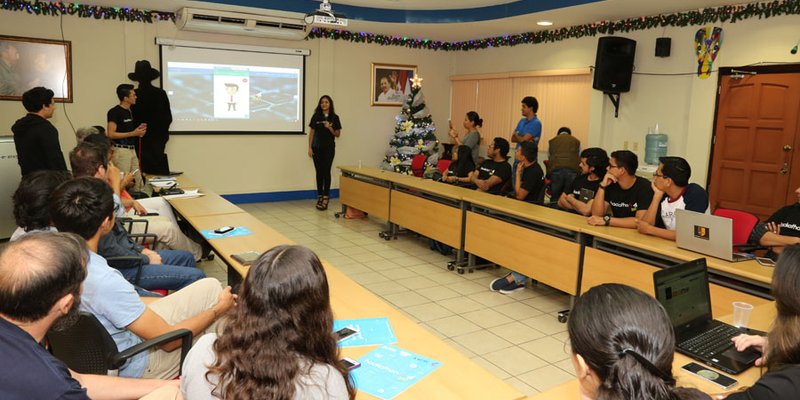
(725, 382)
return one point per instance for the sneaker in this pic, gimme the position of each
(512, 287)
(499, 283)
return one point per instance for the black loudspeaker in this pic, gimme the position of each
(663, 46)
(613, 66)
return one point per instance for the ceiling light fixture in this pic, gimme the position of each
(544, 23)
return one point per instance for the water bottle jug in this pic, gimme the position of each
(655, 146)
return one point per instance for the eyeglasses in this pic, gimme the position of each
(657, 175)
(613, 166)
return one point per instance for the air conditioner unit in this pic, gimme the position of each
(234, 23)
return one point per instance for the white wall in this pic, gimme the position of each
(683, 106)
(105, 51)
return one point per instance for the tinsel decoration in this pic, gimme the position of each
(705, 16)
(86, 11)
(414, 133)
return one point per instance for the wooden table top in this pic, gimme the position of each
(209, 203)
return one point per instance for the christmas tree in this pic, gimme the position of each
(413, 133)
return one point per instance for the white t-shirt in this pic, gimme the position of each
(694, 198)
(322, 382)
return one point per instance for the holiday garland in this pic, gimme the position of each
(705, 16)
(86, 11)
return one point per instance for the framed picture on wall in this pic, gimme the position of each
(390, 84)
(26, 63)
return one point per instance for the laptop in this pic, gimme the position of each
(684, 293)
(707, 234)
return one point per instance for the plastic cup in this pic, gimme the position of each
(741, 313)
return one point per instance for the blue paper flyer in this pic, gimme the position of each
(388, 371)
(238, 231)
(371, 331)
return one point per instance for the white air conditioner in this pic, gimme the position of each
(234, 23)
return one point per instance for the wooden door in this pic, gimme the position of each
(754, 143)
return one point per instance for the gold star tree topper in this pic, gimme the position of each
(416, 82)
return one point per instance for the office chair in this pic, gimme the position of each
(87, 347)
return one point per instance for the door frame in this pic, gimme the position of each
(787, 68)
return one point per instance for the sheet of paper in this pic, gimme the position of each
(371, 331)
(388, 371)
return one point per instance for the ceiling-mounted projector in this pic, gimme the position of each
(325, 16)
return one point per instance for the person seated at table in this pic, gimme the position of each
(161, 269)
(671, 179)
(780, 230)
(85, 206)
(579, 195)
(493, 174)
(40, 291)
(163, 224)
(529, 181)
(622, 192)
(781, 346)
(31, 201)
(623, 345)
(460, 167)
(278, 343)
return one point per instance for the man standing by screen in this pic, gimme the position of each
(125, 133)
(152, 108)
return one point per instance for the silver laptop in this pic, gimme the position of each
(707, 234)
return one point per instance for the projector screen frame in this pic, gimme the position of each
(161, 42)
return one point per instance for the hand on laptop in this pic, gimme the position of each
(759, 343)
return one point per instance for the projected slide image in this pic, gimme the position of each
(209, 92)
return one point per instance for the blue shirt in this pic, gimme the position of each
(531, 127)
(115, 303)
(30, 372)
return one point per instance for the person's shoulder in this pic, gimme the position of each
(694, 189)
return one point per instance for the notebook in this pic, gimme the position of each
(684, 292)
(707, 234)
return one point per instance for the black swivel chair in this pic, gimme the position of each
(87, 348)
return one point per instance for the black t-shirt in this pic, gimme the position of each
(125, 123)
(583, 184)
(625, 203)
(532, 181)
(788, 218)
(778, 385)
(491, 168)
(30, 372)
(323, 138)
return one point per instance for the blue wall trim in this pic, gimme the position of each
(512, 9)
(245, 198)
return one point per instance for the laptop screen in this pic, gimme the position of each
(683, 291)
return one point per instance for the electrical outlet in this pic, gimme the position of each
(625, 145)
(635, 146)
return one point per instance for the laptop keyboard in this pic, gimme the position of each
(711, 342)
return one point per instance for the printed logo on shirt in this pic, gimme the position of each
(127, 120)
(487, 170)
(787, 225)
(633, 206)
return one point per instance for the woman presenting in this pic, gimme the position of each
(473, 138)
(325, 128)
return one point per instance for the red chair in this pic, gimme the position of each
(743, 223)
(443, 165)
(418, 164)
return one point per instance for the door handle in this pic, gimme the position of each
(785, 169)
(787, 148)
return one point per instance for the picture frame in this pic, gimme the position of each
(396, 85)
(26, 63)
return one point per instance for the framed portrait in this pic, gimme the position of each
(390, 84)
(26, 63)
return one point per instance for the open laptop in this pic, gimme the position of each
(684, 293)
(707, 234)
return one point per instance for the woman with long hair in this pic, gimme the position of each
(781, 347)
(472, 139)
(325, 127)
(623, 345)
(461, 166)
(278, 344)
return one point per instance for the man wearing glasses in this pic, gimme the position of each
(671, 191)
(622, 192)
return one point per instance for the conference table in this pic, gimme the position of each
(554, 247)
(760, 319)
(457, 378)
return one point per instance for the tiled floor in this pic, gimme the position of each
(516, 337)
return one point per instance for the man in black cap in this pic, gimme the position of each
(152, 108)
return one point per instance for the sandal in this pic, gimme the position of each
(324, 203)
(319, 203)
